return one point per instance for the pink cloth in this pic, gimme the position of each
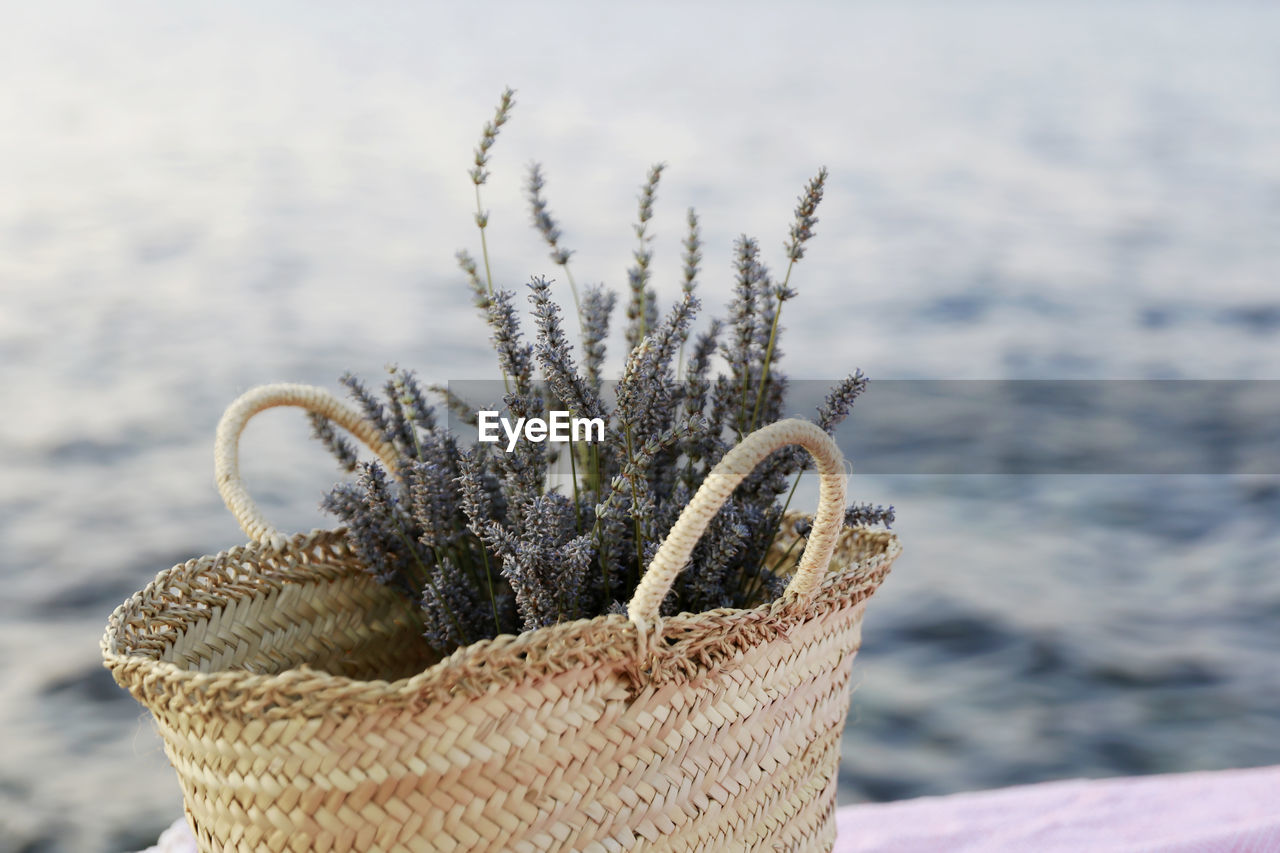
(1231, 810)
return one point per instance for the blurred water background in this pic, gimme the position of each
(198, 198)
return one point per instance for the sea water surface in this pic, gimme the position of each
(199, 198)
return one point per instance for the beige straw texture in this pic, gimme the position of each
(302, 711)
(720, 482)
(226, 447)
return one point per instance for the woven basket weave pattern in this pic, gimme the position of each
(724, 734)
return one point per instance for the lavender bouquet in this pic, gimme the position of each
(474, 535)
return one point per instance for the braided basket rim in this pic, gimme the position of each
(146, 625)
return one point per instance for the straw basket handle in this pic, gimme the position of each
(724, 478)
(226, 451)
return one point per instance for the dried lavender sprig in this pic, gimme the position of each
(696, 377)
(697, 387)
(339, 446)
(648, 193)
(867, 515)
(639, 308)
(384, 506)
(476, 503)
(555, 358)
(364, 530)
(480, 174)
(377, 529)
(550, 232)
(431, 495)
(464, 411)
(633, 483)
(643, 509)
(801, 232)
(762, 523)
(577, 556)
(490, 133)
(645, 402)
(673, 330)
(855, 515)
(840, 401)
(769, 310)
(704, 585)
(692, 253)
(766, 314)
(533, 568)
(451, 611)
(400, 423)
(692, 259)
(614, 523)
(450, 516)
(479, 292)
(515, 358)
(597, 307)
(723, 414)
(744, 318)
(542, 219)
(742, 321)
(415, 402)
(642, 308)
(476, 500)
(370, 407)
(806, 207)
(523, 470)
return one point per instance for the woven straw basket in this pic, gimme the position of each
(302, 709)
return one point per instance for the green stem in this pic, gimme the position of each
(595, 527)
(756, 582)
(593, 471)
(484, 244)
(635, 516)
(753, 583)
(573, 473)
(740, 420)
(413, 431)
(643, 269)
(488, 273)
(428, 578)
(768, 355)
(577, 306)
(782, 561)
(488, 576)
